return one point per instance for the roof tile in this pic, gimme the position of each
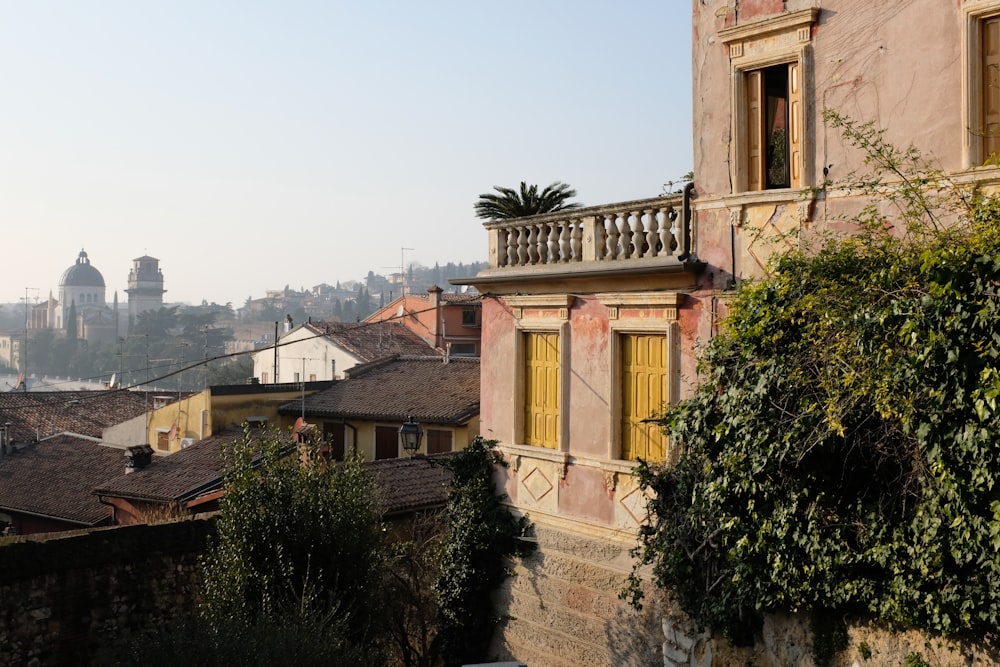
(39, 414)
(425, 388)
(55, 477)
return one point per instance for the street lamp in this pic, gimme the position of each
(410, 435)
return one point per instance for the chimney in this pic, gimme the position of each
(289, 324)
(434, 299)
(137, 457)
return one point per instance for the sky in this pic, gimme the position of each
(250, 144)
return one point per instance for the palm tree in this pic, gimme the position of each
(513, 204)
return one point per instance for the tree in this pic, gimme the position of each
(512, 203)
(72, 326)
(297, 538)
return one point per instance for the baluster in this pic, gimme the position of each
(611, 225)
(652, 237)
(626, 238)
(637, 237)
(511, 247)
(542, 244)
(566, 250)
(522, 247)
(532, 242)
(554, 255)
(671, 242)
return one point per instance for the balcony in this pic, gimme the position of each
(634, 237)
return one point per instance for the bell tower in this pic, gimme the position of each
(145, 286)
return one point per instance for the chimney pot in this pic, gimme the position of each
(137, 457)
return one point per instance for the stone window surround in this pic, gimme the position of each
(550, 314)
(666, 325)
(973, 11)
(781, 39)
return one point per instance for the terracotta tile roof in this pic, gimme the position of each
(462, 299)
(412, 484)
(369, 341)
(55, 477)
(425, 388)
(179, 477)
(35, 415)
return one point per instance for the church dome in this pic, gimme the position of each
(81, 274)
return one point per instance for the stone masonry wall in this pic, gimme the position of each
(63, 598)
(564, 608)
(565, 612)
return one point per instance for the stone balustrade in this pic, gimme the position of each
(643, 230)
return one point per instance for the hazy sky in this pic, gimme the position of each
(249, 144)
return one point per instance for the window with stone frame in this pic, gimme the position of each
(982, 82)
(770, 62)
(541, 388)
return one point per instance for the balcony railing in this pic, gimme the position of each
(644, 231)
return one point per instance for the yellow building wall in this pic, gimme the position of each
(461, 436)
(203, 414)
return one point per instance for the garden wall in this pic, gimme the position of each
(66, 595)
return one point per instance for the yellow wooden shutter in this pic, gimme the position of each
(991, 86)
(794, 126)
(541, 389)
(644, 395)
(755, 130)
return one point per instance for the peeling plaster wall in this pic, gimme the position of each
(861, 66)
(897, 63)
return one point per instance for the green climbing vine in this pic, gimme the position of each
(482, 535)
(843, 452)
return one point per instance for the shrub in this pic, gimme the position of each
(841, 454)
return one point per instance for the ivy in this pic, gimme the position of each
(482, 535)
(841, 454)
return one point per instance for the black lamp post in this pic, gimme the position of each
(410, 435)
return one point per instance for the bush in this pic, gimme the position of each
(293, 536)
(842, 453)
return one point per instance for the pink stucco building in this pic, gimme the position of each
(591, 317)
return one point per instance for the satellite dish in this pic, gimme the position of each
(111, 385)
(298, 425)
(173, 432)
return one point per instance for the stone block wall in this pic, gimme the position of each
(564, 608)
(65, 597)
(565, 612)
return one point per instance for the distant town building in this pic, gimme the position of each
(80, 306)
(145, 286)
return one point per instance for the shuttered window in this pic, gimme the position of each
(773, 127)
(541, 389)
(644, 395)
(333, 436)
(386, 442)
(990, 68)
(438, 441)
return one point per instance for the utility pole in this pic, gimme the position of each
(24, 352)
(402, 271)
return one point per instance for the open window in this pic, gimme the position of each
(770, 63)
(773, 127)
